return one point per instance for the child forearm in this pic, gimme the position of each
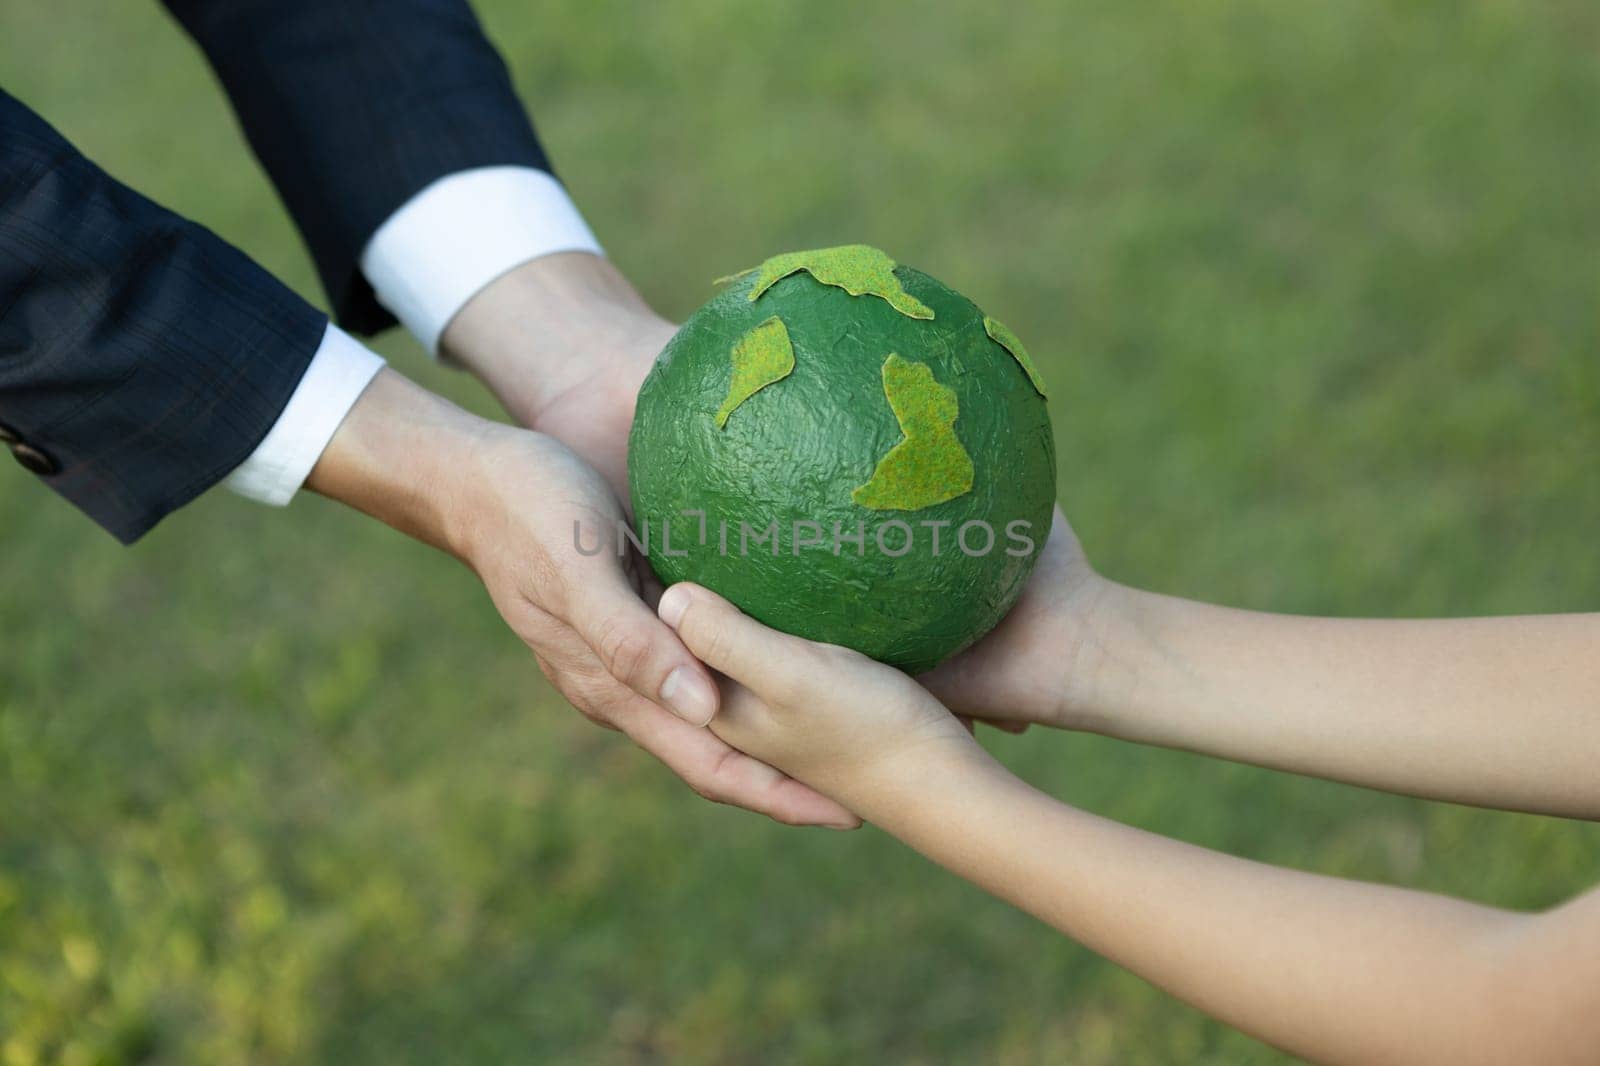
(1333, 970)
(1499, 712)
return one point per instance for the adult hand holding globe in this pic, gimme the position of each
(850, 451)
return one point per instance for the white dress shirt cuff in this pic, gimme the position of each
(462, 232)
(339, 372)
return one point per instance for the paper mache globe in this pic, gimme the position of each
(850, 451)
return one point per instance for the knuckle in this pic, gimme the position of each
(709, 782)
(598, 715)
(595, 695)
(717, 648)
(604, 699)
(707, 789)
(709, 642)
(624, 650)
(538, 630)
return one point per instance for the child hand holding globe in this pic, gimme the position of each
(1327, 969)
(826, 424)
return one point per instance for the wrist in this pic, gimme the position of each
(537, 330)
(896, 788)
(1115, 664)
(399, 456)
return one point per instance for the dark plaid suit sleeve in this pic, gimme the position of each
(142, 358)
(355, 106)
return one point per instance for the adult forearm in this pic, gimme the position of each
(1502, 712)
(1333, 970)
(403, 456)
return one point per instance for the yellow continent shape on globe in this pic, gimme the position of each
(858, 269)
(1001, 335)
(760, 357)
(929, 466)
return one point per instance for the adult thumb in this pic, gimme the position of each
(642, 652)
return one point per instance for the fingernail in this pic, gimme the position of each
(671, 607)
(689, 696)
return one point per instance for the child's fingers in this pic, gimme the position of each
(725, 639)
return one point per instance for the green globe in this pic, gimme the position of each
(850, 451)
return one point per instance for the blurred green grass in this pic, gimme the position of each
(1316, 290)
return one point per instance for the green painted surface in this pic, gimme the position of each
(858, 269)
(797, 451)
(1008, 340)
(760, 357)
(929, 466)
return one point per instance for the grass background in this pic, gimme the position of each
(1316, 290)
